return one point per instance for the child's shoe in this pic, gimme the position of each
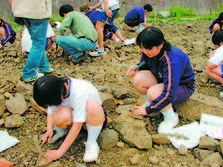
(97, 53)
(34, 78)
(167, 125)
(91, 152)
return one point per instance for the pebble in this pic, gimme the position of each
(182, 150)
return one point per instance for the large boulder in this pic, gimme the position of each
(197, 104)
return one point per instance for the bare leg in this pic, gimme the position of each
(100, 29)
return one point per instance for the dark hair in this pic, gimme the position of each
(65, 9)
(221, 16)
(148, 7)
(48, 90)
(217, 37)
(2, 22)
(150, 37)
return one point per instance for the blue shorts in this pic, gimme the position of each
(183, 93)
(109, 30)
(221, 70)
(105, 19)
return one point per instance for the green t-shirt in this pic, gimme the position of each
(80, 26)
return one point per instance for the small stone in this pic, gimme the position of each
(135, 159)
(153, 160)
(182, 150)
(120, 144)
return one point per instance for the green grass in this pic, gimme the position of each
(177, 14)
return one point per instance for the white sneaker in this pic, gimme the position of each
(166, 126)
(97, 53)
(129, 41)
(59, 133)
(91, 152)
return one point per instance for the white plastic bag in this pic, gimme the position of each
(7, 141)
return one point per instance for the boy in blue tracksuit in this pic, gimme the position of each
(7, 34)
(137, 17)
(216, 24)
(166, 78)
(109, 31)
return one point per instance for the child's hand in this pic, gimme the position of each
(52, 155)
(48, 135)
(131, 71)
(140, 110)
(5, 163)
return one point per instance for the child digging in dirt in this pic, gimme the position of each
(71, 104)
(166, 78)
(137, 17)
(214, 67)
(7, 34)
(216, 24)
(83, 36)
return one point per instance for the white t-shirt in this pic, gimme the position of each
(217, 57)
(113, 4)
(79, 93)
(26, 41)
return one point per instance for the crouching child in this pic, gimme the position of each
(71, 103)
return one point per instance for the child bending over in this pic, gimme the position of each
(71, 103)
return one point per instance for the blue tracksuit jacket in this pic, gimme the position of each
(171, 68)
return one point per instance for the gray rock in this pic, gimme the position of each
(160, 153)
(17, 104)
(160, 139)
(208, 143)
(135, 159)
(23, 88)
(201, 154)
(153, 159)
(197, 104)
(120, 93)
(213, 158)
(221, 147)
(14, 121)
(108, 138)
(2, 108)
(182, 150)
(171, 151)
(133, 132)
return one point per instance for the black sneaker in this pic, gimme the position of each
(79, 59)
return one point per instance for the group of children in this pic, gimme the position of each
(166, 76)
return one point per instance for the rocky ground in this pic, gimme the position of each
(127, 141)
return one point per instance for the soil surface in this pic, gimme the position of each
(192, 37)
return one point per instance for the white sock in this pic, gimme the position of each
(93, 133)
(169, 115)
(147, 100)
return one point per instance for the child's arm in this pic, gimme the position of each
(8, 34)
(55, 154)
(95, 6)
(107, 10)
(49, 132)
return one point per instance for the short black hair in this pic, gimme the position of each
(49, 90)
(148, 7)
(65, 9)
(221, 16)
(150, 37)
(217, 37)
